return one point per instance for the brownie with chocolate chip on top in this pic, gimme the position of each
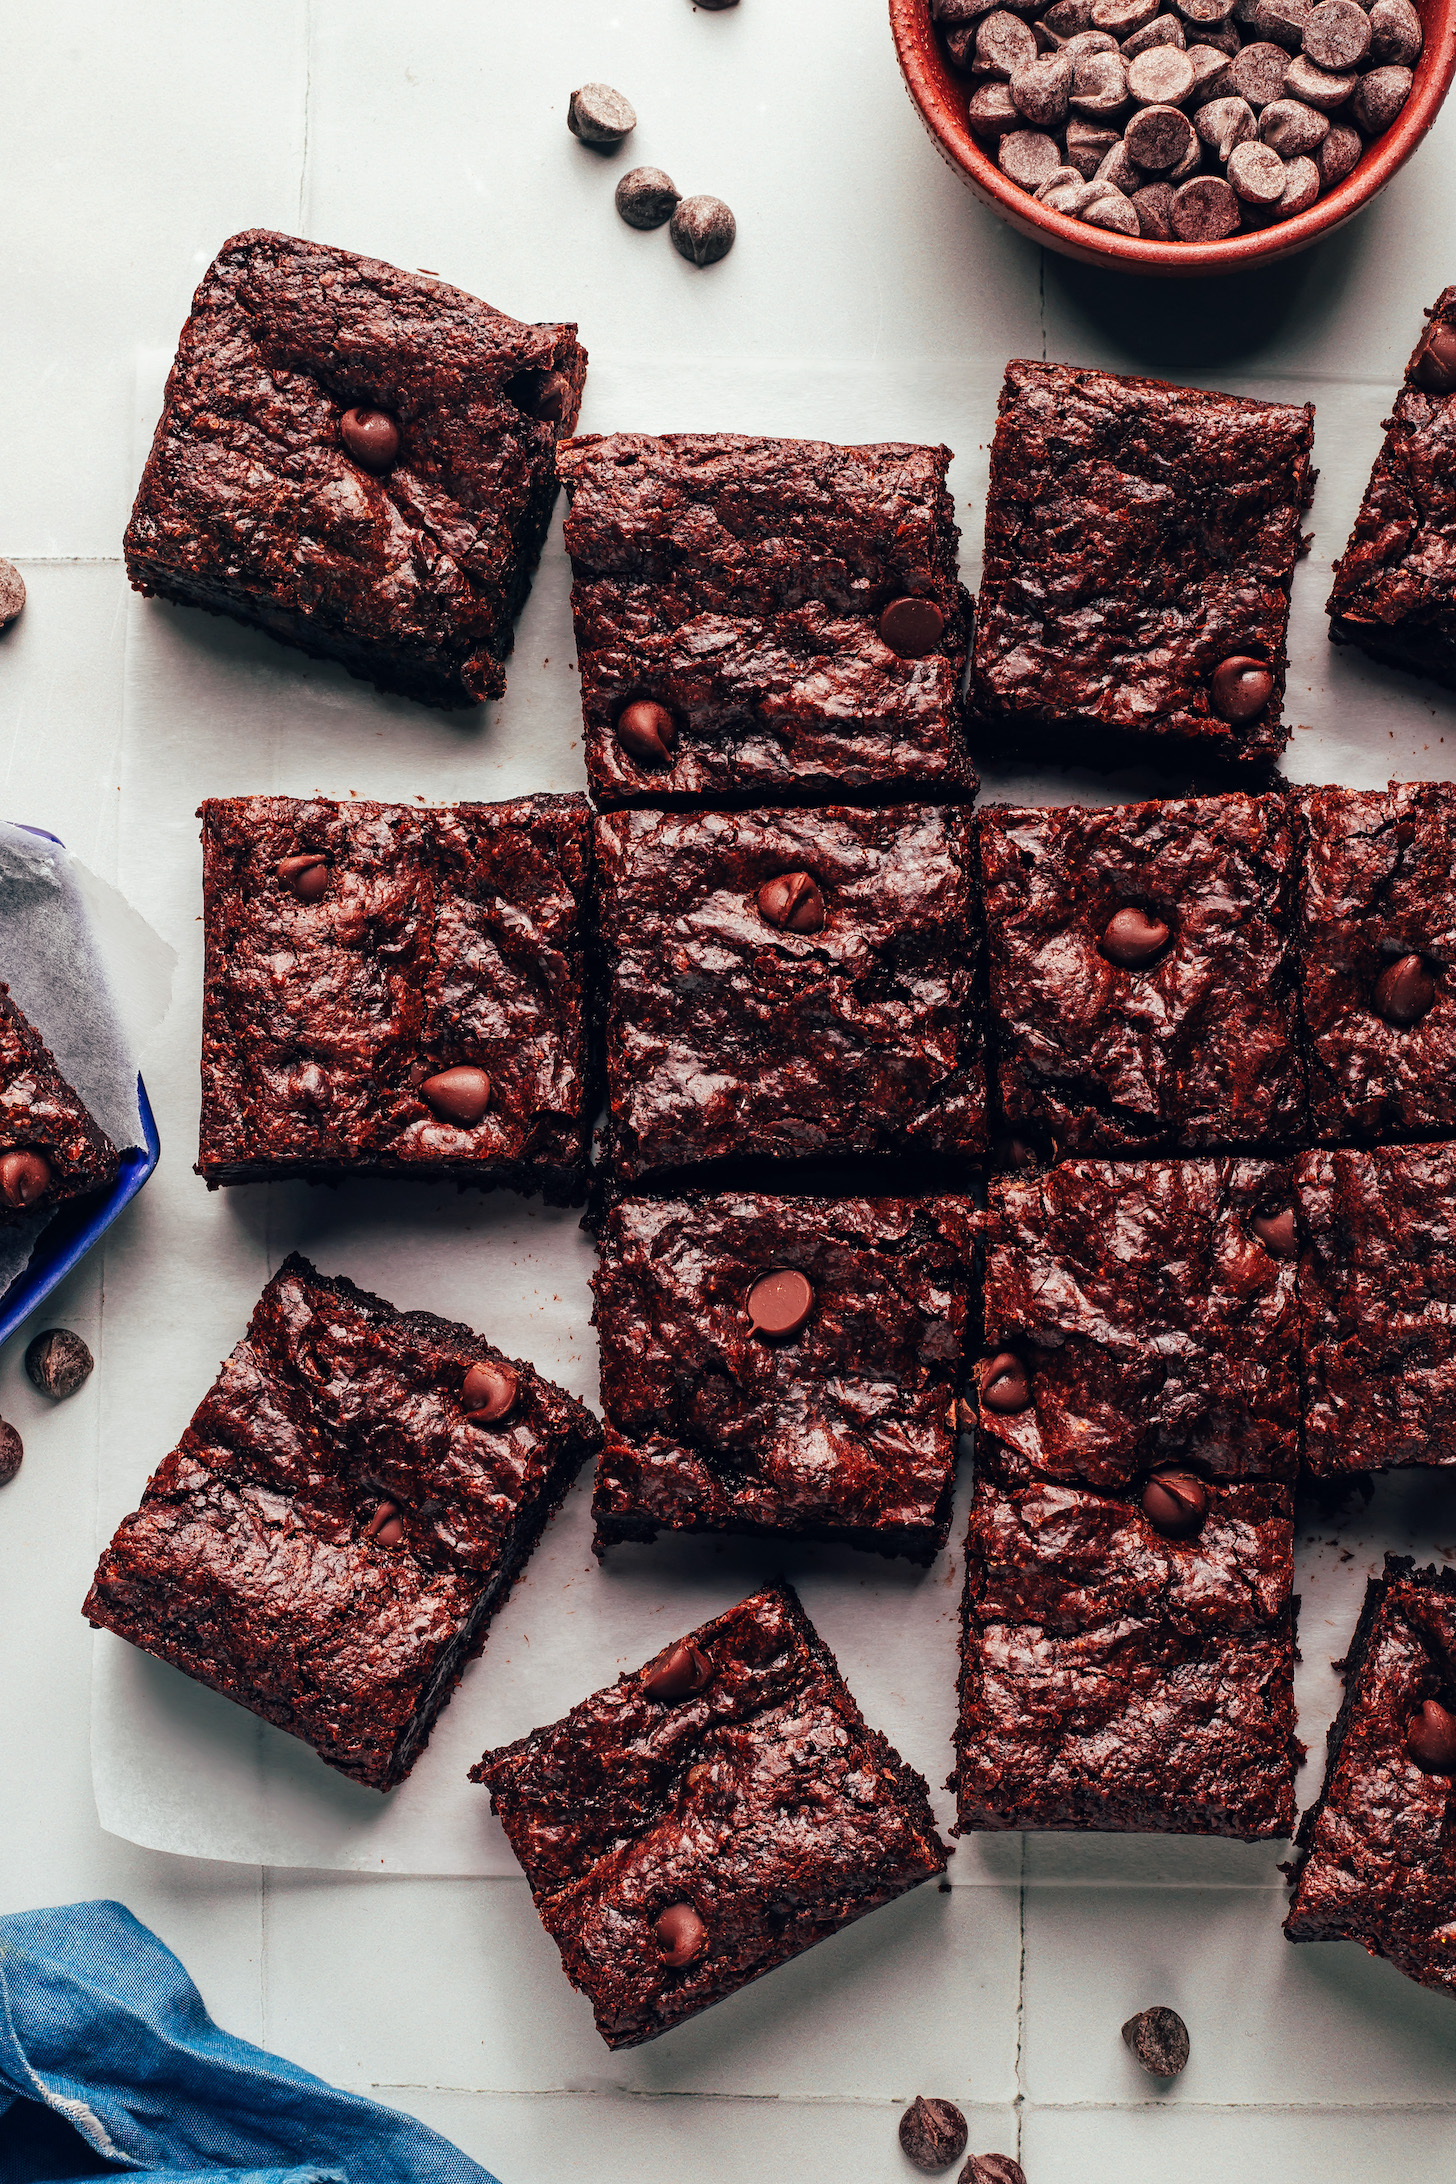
(52, 1149)
(709, 1816)
(346, 1512)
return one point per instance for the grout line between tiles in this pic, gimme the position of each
(1020, 1988)
(307, 106)
(67, 561)
(893, 2100)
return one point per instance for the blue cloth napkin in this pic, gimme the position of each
(100, 2026)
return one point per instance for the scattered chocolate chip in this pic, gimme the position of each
(1293, 129)
(386, 1526)
(679, 1673)
(305, 875)
(1226, 122)
(1430, 1738)
(1434, 367)
(680, 1934)
(1379, 97)
(1003, 1383)
(933, 2134)
(371, 436)
(646, 732)
(992, 2169)
(1132, 939)
(1159, 2040)
(1339, 155)
(1028, 156)
(1395, 33)
(1204, 210)
(647, 197)
(1158, 137)
(1337, 35)
(703, 230)
(12, 1449)
(24, 1176)
(1161, 76)
(1256, 174)
(598, 115)
(460, 1095)
(1240, 688)
(1175, 1503)
(489, 1392)
(780, 1302)
(1404, 992)
(57, 1362)
(912, 627)
(12, 593)
(1278, 1232)
(792, 901)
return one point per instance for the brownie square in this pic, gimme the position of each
(708, 1817)
(1140, 538)
(1377, 1283)
(789, 985)
(739, 587)
(1378, 1850)
(1115, 1678)
(1377, 943)
(393, 990)
(1135, 1316)
(782, 1365)
(1394, 591)
(1143, 990)
(408, 566)
(349, 1507)
(51, 1148)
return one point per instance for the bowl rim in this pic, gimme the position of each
(938, 100)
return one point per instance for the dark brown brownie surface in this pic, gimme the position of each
(739, 582)
(41, 1114)
(1152, 1324)
(730, 1039)
(1394, 591)
(1198, 1047)
(1137, 535)
(250, 1564)
(761, 1800)
(1379, 1847)
(444, 938)
(845, 1431)
(251, 506)
(1113, 1678)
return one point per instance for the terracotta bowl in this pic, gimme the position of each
(940, 94)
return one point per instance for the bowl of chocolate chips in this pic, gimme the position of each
(1176, 136)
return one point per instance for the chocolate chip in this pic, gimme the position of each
(792, 901)
(780, 1302)
(1106, 207)
(1240, 688)
(1258, 73)
(596, 114)
(24, 1175)
(1131, 939)
(1003, 1384)
(1379, 97)
(386, 1526)
(679, 1673)
(1293, 129)
(489, 1392)
(991, 110)
(551, 400)
(1159, 2040)
(1087, 145)
(1066, 18)
(1278, 1232)
(1430, 1738)
(1256, 174)
(1119, 170)
(1395, 33)
(703, 230)
(305, 875)
(1163, 30)
(12, 1449)
(1339, 155)
(1204, 210)
(933, 2134)
(1162, 76)
(1039, 90)
(1003, 44)
(1158, 137)
(1337, 35)
(57, 1362)
(460, 1095)
(12, 593)
(646, 197)
(1301, 187)
(1204, 12)
(1027, 157)
(1210, 75)
(1404, 992)
(371, 436)
(1099, 85)
(1175, 1503)
(1434, 365)
(1315, 87)
(647, 733)
(1123, 17)
(992, 2169)
(680, 1934)
(1225, 122)
(912, 627)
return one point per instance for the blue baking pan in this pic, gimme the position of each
(78, 1225)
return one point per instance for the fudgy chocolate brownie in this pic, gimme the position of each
(349, 1507)
(1395, 589)
(1121, 1672)
(782, 1365)
(359, 460)
(1143, 993)
(1378, 1851)
(1377, 944)
(711, 1816)
(1139, 1314)
(51, 1149)
(1377, 1284)
(766, 621)
(1140, 544)
(789, 985)
(395, 990)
